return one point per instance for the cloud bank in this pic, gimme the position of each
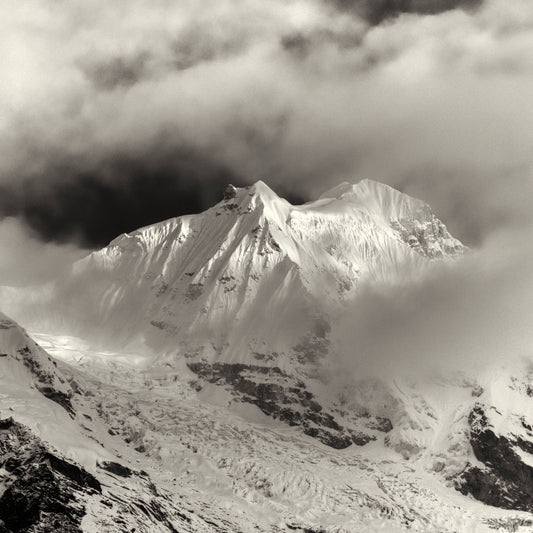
(27, 260)
(464, 316)
(117, 114)
(377, 11)
(116, 99)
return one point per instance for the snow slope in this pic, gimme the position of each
(64, 468)
(229, 468)
(37, 394)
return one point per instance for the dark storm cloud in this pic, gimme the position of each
(90, 203)
(93, 203)
(377, 11)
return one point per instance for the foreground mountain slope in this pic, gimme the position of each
(228, 463)
(61, 470)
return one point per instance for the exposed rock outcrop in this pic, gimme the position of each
(43, 491)
(284, 398)
(506, 480)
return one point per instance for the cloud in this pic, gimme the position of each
(461, 316)
(116, 72)
(116, 115)
(91, 202)
(26, 260)
(377, 11)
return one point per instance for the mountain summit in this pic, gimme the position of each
(234, 273)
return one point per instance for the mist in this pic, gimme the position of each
(114, 116)
(26, 260)
(462, 315)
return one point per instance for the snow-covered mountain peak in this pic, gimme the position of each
(380, 198)
(339, 191)
(412, 219)
(203, 275)
(261, 189)
(257, 201)
(244, 208)
(259, 193)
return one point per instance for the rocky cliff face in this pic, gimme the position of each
(287, 399)
(41, 491)
(501, 437)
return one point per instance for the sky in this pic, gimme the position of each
(114, 115)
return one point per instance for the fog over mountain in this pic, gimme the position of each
(118, 115)
(339, 340)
